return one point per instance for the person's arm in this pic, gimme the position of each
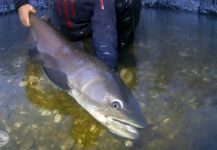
(104, 32)
(24, 9)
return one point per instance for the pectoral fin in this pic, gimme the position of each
(57, 77)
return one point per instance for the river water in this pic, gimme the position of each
(176, 86)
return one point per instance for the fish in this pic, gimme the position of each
(96, 87)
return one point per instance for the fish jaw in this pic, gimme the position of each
(122, 127)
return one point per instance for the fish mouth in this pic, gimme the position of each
(123, 128)
(126, 128)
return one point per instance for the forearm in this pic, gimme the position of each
(104, 31)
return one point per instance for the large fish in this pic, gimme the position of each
(89, 81)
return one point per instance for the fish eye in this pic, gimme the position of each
(117, 104)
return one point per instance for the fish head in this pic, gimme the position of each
(116, 108)
(119, 118)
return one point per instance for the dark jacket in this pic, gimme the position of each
(79, 18)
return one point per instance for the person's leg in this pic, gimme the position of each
(128, 14)
(127, 19)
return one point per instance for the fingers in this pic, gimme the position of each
(33, 10)
(24, 12)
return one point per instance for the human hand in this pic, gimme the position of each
(24, 12)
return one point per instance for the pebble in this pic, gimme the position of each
(126, 76)
(166, 120)
(10, 80)
(142, 94)
(55, 111)
(155, 128)
(18, 124)
(23, 83)
(57, 118)
(93, 127)
(128, 143)
(155, 96)
(79, 141)
(45, 113)
(41, 78)
(34, 126)
(22, 112)
(206, 79)
(184, 54)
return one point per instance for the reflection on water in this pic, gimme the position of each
(176, 86)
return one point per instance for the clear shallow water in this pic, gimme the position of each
(176, 86)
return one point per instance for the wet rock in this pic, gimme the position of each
(23, 112)
(167, 120)
(68, 144)
(205, 79)
(45, 113)
(184, 54)
(93, 127)
(18, 124)
(55, 111)
(128, 143)
(34, 126)
(23, 83)
(57, 118)
(10, 80)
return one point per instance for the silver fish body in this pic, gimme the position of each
(90, 82)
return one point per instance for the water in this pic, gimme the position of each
(201, 6)
(176, 85)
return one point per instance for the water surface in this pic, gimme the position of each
(176, 85)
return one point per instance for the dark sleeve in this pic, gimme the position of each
(19, 3)
(104, 31)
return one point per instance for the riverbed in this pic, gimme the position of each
(175, 64)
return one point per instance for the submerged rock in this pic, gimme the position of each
(57, 118)
(23, 83)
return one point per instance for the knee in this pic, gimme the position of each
(110, 58)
